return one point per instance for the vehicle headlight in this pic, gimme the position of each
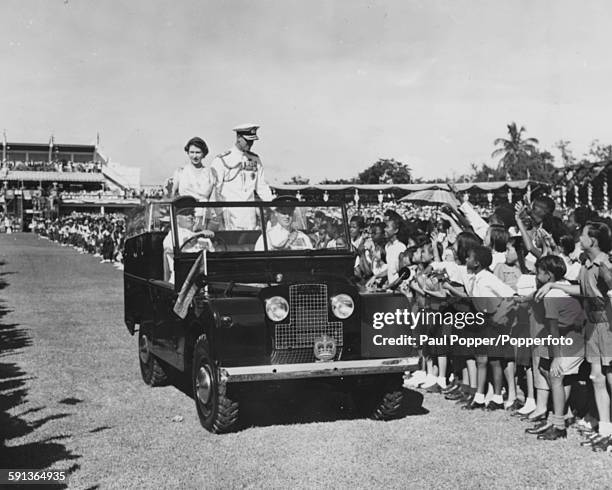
(277, 308)
(342, 306)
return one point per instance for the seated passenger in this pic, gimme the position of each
(185, 221)
(283, 235)
(314, 226)
(336, 240)
(322, 238)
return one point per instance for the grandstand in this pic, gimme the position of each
(49, 179)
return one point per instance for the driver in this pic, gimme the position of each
(284, 235)
(189, 240)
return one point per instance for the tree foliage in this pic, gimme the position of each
(519, 158)
(339, 181)
(515, 153)
(386, 171)
(567, 155)
(422, 180)
(298, 180)
(541, 166)
(599, 152)
(484, 173)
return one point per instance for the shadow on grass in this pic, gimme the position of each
(309, 401)
(99, 429)
(71, 401)
(303, 402)
(13, 393)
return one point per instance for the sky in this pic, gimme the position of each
(334, 84)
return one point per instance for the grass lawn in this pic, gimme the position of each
(72, 398)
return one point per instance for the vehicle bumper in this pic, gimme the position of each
(318, 369)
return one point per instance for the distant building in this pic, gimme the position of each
(54, 179)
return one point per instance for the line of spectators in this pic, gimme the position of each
(531, 272)
(100, 194)
(56, 166)
(102, 235)
(155, 192)
(9, 224)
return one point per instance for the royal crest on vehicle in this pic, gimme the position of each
(324, 348)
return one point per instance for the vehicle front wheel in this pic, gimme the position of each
(217, 412)
(151, 369)
(379, 401)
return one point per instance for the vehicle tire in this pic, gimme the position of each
(217, 412)
(389, 406)
(379, 401)
(151, 369)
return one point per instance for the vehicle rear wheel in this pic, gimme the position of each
(217, 412)
(379, 401)
(151, 369)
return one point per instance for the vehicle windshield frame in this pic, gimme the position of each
(261, 206)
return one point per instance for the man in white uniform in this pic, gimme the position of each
(241, 175)
(284, 234)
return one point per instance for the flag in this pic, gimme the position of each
(51, 141)
(190, 288)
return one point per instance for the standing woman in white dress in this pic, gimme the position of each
(196, 179)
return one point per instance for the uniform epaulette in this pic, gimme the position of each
(224, 154)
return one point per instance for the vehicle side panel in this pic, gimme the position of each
(240, 334)
(372, 303)
(143, 260)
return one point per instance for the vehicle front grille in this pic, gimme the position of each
(308, 318)
(297, 356)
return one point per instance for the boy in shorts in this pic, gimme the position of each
(595, 284)
(564, 320)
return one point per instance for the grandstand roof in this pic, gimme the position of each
(31, 175)
(45, 147)
(102, 200)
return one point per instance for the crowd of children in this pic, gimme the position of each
(102, 235)
(531, 273)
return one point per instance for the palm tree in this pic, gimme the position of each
(515, 152)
